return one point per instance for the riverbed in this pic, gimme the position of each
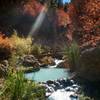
(56, 82)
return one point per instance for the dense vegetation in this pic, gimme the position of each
(16, 87)
(78, 21)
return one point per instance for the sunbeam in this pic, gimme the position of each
(38, 21)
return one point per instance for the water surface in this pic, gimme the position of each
(47, 74)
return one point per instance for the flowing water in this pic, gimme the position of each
(56, 75)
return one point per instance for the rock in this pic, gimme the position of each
(50, 89)
(69, 82)
(57, 55)
(57, 84)
(62, 82)
(44, 65)
(63, 65)
(75, 86)
(31, 69)
(54, 86)
(3, 68)
(74, 96)
(50, 82)
(90, 64)
(69, 88)
(29, 60)
(47, 60)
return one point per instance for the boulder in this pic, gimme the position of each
(29, 60)
(47, 60)
(90, 64)
(63, 64)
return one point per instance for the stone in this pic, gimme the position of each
(47, 60)
(69, 88)
(89, 68)
(49, 82)
(54, 86)
(69, 83)
(63, 64)
(57, 84)
(29, 60)
(74, 96)
(75, 86)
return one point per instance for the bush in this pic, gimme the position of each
(16, 87)
(22, 45)
(6, 47)
(73, 55)
(37, 50)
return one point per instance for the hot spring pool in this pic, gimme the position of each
(45, 74)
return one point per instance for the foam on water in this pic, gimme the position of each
(56, 63)
(61, 95)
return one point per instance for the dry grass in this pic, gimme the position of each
(22, 45)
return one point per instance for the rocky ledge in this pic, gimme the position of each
(90, 64)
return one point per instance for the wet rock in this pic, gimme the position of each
(49, 82)
(62, 81)
(69, 82)
(57, 84)
(63, 64)
(54, 86)
(50, 89)
(75, 86)
(69, 88)
(74, 96)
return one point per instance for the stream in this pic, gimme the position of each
(56, 82)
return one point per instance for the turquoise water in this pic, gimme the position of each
(47, 74)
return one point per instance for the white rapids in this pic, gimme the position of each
(61, 95)
(56, 63)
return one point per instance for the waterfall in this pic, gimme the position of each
(56, 63)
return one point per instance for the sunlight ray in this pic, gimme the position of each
(39, 20)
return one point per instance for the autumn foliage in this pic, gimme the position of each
(90, 16)
(32, 7)
(86, 21)
(6, 47)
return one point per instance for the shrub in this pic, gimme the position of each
(37, 50)
(22, 45)
(6, 47)
(16, 87)
(73, 55)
